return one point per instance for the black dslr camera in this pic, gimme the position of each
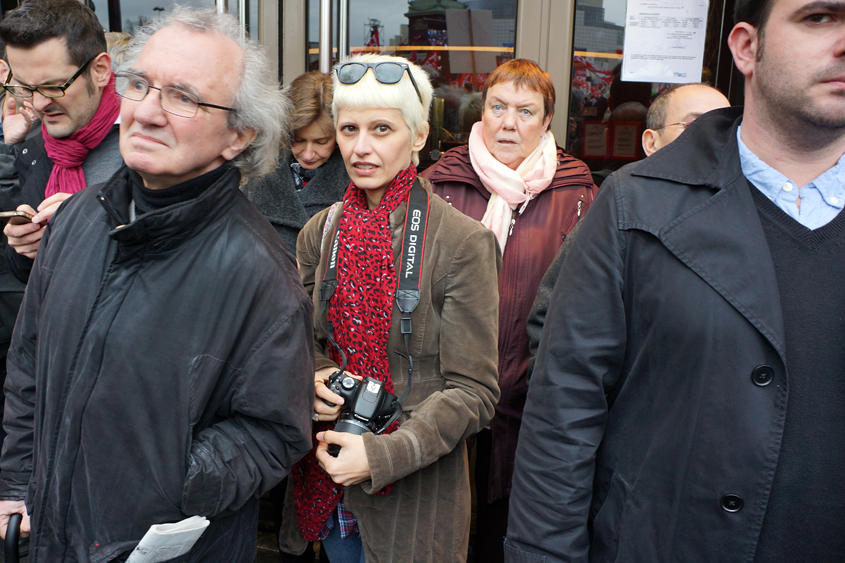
(367, 406)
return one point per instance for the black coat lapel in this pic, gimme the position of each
(723, 242)
(721, 238)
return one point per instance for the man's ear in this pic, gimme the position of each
(100, 69)
(650, 141)
(744, 43)
(240, 142)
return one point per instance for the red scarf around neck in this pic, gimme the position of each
(69, 153)
(360, 312)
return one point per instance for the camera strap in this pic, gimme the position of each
(408, 276)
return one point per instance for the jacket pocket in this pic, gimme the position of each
(514, 555)
(604, 542)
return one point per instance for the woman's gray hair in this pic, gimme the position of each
(259, 103)
(369, 93)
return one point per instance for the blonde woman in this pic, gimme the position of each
(401, 495)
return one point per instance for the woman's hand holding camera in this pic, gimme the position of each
(322, 411)
(351, 466)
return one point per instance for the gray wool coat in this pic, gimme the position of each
(287, 209)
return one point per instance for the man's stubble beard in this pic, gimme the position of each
(793, 107)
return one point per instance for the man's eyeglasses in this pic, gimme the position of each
(173, 100)
(48, 91)
(683, 124)
(386, 73)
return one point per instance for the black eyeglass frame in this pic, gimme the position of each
(32, 89)
(374, 66)
(160, 89)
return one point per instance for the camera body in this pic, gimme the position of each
(367, 406)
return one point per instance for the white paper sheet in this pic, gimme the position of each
(166, 541)
(664, 41)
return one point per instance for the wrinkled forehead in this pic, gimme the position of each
(47, 60)
(206, 63)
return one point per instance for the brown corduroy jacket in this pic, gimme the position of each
(426, 516)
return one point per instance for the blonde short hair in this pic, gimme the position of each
(369, 93)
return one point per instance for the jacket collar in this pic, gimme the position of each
(164, 228)
(708, 150)
(278, 200)
(720, 236)
(455, 166)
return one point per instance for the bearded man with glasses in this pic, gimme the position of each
(162, 364)
(59, 74)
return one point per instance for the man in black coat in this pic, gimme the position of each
(162, 364)
(687, 402)
(25, 166)
(60, 75)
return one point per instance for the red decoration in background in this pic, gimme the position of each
(467, 78)
(374, 39)
(432, 60)
(589, 79)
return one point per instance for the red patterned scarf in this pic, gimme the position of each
(69, 153)
(360, 313)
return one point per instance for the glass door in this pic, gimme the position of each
(607, 114)
(457, 43)
(129, 15)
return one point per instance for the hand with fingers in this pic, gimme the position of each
(323, 412)
(25, 237)
(18, 117)
(351, 465)
(9, 507)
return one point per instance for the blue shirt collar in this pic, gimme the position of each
(830, 183)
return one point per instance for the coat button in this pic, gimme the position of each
(762, 375)
(731, 503)
(25, 151)
(33, 163)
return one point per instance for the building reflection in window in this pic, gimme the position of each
(458, 43)
(607, 115)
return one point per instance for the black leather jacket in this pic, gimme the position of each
(160, 367)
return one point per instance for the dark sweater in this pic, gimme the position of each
(805, 517)
(147, 200)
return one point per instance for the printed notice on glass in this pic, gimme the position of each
(664, 41)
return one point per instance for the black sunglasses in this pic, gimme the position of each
(47, 90)
(386, 73)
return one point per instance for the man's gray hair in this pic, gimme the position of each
(259, 103)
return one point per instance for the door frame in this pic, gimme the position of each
(544, 30)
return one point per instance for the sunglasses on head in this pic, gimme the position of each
(386, 73)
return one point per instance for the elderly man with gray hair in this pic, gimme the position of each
(162, 363)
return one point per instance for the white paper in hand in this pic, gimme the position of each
(166, 541)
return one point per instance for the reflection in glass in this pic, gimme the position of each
(606, 114)
(135, 13)
(458, 43)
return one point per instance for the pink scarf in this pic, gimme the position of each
(511, 188)
(69, 153)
